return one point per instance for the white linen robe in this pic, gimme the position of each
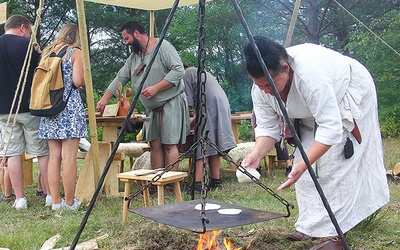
(328, 91)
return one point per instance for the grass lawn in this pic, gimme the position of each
(29, 229)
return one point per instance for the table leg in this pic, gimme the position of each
(235, 130)
(127, 192)
(160, 190)
(272, 162)
(178, 194)
(146, 194)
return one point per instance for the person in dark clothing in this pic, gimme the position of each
(13, 49)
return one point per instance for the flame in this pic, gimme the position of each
(209, 241)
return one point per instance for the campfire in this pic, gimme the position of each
(210, 241)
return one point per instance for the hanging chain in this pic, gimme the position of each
(201, 115)
(201, 136)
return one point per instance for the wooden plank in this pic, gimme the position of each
(111, 110)
(3, 12)
(89, 87)
(86, 184)
(27, 169)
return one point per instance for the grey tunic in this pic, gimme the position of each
(217, 109)
(168, 111)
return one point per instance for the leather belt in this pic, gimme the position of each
(356, 133)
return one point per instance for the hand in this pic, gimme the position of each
(149, 92)
(251, 161)
(101, 105)
(293, 176)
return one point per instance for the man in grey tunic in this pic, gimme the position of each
(162, 93)
(219, 125)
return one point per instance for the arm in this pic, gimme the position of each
(123, 76)
(316, 150)
(263, 145)
(77, 69)
(175, 71)
(151, 91)
(322, 103)
(104, 101)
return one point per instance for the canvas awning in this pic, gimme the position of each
(146, 4)
(150, 5)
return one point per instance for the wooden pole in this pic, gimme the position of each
(89, 89)
(292, 23)
(152, 23)
(3, 12)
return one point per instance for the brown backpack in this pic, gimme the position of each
(48, 86)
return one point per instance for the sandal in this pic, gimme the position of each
(330, 244)
(298, 236)
(10, 197)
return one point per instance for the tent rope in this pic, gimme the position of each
(21, 83)
(365, 26)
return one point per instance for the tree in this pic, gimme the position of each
(319, 21)
(384, 64)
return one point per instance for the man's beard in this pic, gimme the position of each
(136, 47)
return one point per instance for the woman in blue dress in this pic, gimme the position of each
(64, 129)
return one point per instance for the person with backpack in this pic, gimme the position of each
(333, 97)
(13, 49)
(64, 130)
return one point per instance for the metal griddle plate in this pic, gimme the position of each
(184, 215)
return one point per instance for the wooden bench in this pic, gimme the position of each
(143, 177)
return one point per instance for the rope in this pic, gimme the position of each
(365, 26)
(22, 81)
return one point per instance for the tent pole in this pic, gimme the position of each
(3, 12)
(292, 23)
(89, 89)
(152, 23)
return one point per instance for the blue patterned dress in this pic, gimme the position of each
(71, 122)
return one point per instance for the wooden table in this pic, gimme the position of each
(110, 127)
(236, 119)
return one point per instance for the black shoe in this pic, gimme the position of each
(197, 188)
(215, 183)
(152, 190)
(39, 193)
(288, 170)
(169, 189)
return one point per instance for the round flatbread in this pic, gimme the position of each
(230, 211)
(209, 206)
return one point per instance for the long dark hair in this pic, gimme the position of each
(271, 52)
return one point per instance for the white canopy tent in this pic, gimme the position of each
(150, 5)
(92, 179)
(146, 4)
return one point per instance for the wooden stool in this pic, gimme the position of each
(27, 169)
(143, 176)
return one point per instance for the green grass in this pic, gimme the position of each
(29, 229)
